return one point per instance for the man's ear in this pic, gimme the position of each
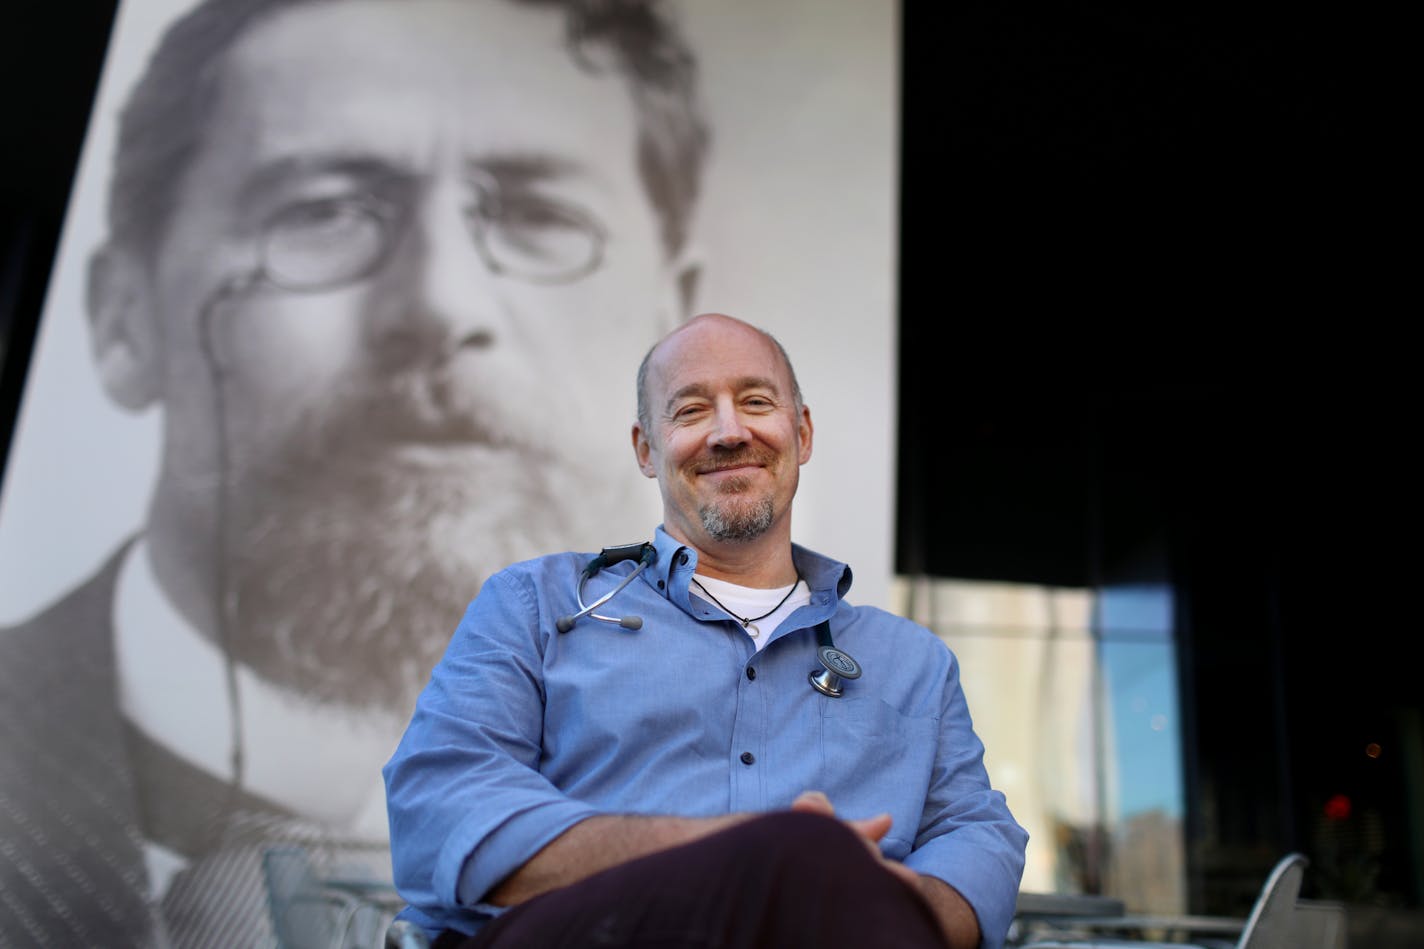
(806, 431)
(682, 276)
(643, 451)
(123, 335)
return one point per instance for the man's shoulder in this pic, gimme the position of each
(76, 629)
(546, 564)
(63, 657)
(67, 782)
(883, 623)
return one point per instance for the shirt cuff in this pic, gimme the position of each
(475, 859)
(987, 879)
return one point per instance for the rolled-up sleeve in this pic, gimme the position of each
(466, 801)
(967, 836)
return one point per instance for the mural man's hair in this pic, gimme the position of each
(162, 126)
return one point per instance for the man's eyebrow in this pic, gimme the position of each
(510, 169)
(699, 389)
(521, 167)
(291, 168)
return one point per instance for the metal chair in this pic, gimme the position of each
(403, 934)
(1274, 923)
(312, 912)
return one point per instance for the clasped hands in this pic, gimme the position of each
(869, 829)
(956, 918)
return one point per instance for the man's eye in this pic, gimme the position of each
(324, 242)
(535, 215)
(325, 220)
(532, 231)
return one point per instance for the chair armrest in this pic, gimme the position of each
(403, 934)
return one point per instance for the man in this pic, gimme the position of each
(374, 259)
(598, 786)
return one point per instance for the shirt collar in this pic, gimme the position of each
(672, 572)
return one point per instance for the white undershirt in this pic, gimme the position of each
(750, 601)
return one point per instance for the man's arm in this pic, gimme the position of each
(600, 843)
(473, 821)
(956, 918)
(965, 837)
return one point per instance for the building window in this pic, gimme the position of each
(1074, 693)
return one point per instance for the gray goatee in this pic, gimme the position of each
(739, 522)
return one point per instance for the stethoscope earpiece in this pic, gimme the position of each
(838, 665)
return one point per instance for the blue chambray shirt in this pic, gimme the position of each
(524, 731)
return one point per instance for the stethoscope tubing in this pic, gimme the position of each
(837, 664)
(647, 555)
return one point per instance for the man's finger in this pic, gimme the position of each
(872, 828)
(813, 802)
(910, 877)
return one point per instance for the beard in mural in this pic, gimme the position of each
(353, 547)
(377, 262)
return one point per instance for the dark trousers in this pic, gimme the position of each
(781, 881)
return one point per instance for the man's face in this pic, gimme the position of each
(727, 439)
(395, 431)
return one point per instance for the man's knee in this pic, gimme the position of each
(798, 872)
(795, 841)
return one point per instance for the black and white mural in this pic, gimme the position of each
(345, 316)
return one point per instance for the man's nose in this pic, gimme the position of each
(728, 428)
(436, 295)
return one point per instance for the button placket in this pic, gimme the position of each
(749, 731)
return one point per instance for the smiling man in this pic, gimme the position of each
(707, 766)
(373, 260)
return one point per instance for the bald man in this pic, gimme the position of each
(670, 774)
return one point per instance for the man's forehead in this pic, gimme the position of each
(713, 332)
(324, 66)
(714, 350)
(415, 86)
(374, 26)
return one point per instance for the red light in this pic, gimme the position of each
(1337, 808)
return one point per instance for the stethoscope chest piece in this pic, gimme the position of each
(838, 665)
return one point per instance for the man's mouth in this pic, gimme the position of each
(727, 469)
(420, 442)
(427, 411)
(719, 469)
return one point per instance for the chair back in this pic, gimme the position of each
(303, 916)
(1271, 923)
(1278, 920)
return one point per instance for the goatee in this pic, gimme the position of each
(735, 519)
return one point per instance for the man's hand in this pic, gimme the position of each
(956, 918)
(870, 829)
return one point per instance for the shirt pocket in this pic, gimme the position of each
(877, 759)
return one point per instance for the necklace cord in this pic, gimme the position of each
(749, 620)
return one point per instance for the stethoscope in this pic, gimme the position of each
(837, 663)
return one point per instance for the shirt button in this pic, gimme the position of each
(751, 673)
(682, 560)
(748, 758)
